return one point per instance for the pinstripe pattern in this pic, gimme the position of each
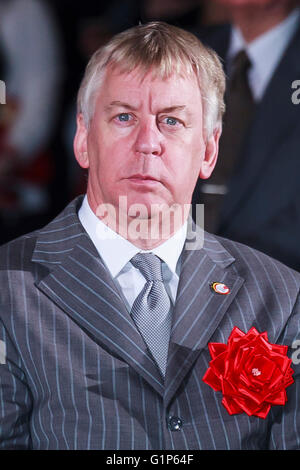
(77, 373)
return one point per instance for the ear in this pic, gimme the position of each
(80, 143)
(211, 154)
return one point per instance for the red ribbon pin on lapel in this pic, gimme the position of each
(220, 288)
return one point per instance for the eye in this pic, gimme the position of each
(171, 121)
(124, 117)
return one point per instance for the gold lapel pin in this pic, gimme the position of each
(220, 288)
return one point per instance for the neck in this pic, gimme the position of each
(143, 232)
(253, 21)
(146, 234)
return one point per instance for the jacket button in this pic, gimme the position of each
(174, 423)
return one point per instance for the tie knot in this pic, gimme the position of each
(149, 265)
(238, 81)
(241, 62)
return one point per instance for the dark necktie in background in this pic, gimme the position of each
(151, 310)
(239, 110)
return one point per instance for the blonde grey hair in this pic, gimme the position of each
(166, 50)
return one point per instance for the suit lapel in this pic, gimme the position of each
(74, 277)
(79, 283)
(198, 309)
(273, 122)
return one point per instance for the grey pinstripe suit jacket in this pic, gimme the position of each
(76, 374)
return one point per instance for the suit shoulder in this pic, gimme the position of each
(252, 263)
(17, 253)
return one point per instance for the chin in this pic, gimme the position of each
(143, 209)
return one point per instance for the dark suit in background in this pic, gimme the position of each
(262, 206)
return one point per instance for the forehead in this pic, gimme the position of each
(139, 86)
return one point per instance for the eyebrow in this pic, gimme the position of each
(171, 109)
(122, 104)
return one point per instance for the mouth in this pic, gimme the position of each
(143, 179)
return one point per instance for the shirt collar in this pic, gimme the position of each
(116, 251)
(261, 52)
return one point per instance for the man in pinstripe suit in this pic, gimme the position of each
(75, 371)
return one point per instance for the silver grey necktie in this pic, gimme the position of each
(151, 310)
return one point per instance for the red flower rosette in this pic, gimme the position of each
(251, 372)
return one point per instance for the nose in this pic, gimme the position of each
(148, 140)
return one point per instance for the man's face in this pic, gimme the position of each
(145, 141)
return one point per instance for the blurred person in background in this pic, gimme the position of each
(253, 194)
(30, 66)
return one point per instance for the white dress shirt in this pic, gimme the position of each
(264, 52)
(116, 252)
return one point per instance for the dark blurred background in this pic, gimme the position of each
(44, 48)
